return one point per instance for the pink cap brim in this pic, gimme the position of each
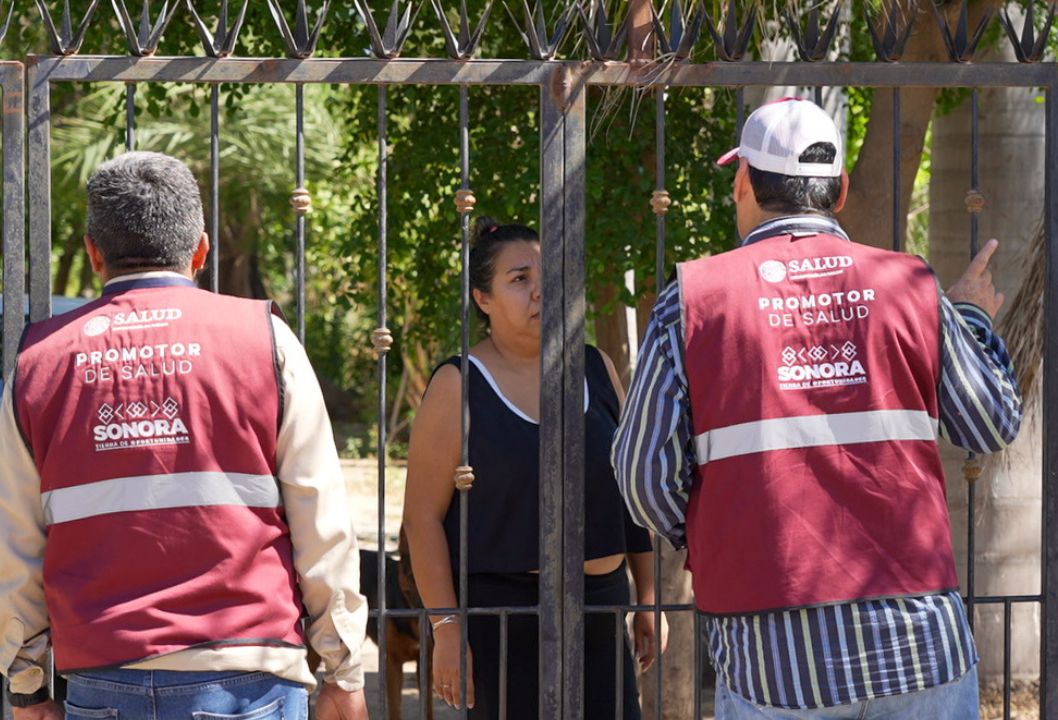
(729, 157)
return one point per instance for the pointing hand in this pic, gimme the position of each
(975, 286)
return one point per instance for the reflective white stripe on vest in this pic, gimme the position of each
(814, 431)
(156, 492)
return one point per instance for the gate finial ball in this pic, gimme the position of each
(465, 201)
(301, 201)
(464, 477)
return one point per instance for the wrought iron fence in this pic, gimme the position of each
(563, 88)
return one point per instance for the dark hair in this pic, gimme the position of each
(486, 241)
(145, 211)
(794, 194)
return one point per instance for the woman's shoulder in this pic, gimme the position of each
(450, 370)
(596, 359)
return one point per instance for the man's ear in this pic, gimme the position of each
(743, 186)
(844, 191)
(95, 255)
(198, 260)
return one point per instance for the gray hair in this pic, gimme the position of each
(145, 211)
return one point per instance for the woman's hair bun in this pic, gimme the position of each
(483, 225)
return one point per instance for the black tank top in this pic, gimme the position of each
(504, 505)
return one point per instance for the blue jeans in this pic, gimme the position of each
(957, 700)
(166, 695)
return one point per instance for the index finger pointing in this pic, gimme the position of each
(980, 262)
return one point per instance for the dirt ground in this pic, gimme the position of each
(1024, 700)
(361, 481)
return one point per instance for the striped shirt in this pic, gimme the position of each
(844, 653)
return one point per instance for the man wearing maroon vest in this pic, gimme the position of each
(176, 521)
(782, 425)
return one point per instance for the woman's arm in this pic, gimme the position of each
(615, 379)
(644, 626)
(641, 565)
(433, 455)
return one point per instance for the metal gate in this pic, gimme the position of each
(563, 127)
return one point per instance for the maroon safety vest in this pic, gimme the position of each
(813, 365)
(152, 415)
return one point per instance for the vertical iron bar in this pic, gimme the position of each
(383, 198)
(659, 280)
(971, 486)
(697, 664)
(552, 159)
(619, 665)
(39, 147)
(214, 187)
(14, 232)
(740, 113)
(503, 665)
(299, 94)
(464, 416)
(974, 166)
(425, 696)
(1006, 659)
(818, 92)
(574, 313)
(659, 186)
(130, 117)
(898, 240)
(1049, 644)
(971, 551)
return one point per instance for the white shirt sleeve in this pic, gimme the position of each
(317, 507)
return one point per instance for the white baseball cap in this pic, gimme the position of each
(776, 134)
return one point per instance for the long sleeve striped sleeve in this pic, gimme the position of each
(653, 456)
(980, 402)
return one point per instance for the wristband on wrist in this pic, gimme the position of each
(21, 700)
(443, 621)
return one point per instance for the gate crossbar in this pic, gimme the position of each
(365, 71)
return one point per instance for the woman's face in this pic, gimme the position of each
(513, 303)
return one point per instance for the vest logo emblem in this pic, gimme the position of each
(811, 366)
(804, 268)
(96, 325)
(140, 424)
(773, 271)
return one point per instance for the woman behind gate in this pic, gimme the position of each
(503, 535)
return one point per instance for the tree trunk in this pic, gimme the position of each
(72, 247)
(1008, 495)
(612, 331)
(868, 216)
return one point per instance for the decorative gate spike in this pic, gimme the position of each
(144, 41)
(541, 46)
(301, 43)
(811, 46)
(66, 41)
(463, 45)
(1029, 48)
(388, 44)
(733, 45)
(221, 44)
(7, 23)
(603, 43)
(961, 47)
(889, 42)
(685, 28)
